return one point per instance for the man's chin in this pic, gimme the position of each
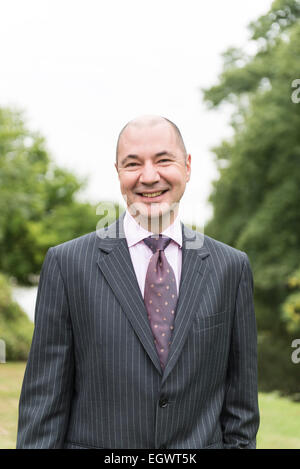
(153, 216)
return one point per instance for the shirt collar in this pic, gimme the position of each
(135, 233)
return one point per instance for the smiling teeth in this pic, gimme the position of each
(154, 194)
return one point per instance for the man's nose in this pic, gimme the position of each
(149, 174)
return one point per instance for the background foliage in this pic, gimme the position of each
(38, 200)
(15, 327)
(39, 208)
(256, 199)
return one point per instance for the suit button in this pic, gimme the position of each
(163, 402)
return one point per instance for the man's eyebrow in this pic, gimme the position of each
(163, 153)
(136, 157)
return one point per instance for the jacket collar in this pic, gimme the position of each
(114, 235)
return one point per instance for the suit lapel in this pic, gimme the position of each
(116, 265)
(194, 276)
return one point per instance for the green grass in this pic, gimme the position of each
(279, 423)
(11, 376)
(279, 428)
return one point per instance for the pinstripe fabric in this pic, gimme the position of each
(93, 378)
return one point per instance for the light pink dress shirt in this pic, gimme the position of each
(141, 254)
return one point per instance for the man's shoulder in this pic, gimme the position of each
(220, 254)
(218, 247)
(78, 244)
(225, 256)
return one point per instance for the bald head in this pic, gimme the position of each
(151, 121)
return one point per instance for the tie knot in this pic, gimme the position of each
(157, 243)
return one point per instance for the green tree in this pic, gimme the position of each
(38, 209)
(38, 200)
(15, 327)
(256, 198)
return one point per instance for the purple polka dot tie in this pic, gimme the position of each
(160, 296)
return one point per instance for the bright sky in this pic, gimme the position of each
(82, 69)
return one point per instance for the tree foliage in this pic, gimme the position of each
(16, 329)
(256, 199)
(38, 200)
(38, 209)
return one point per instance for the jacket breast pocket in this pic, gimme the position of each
(203, 323)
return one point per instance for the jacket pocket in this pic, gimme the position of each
(203, 323)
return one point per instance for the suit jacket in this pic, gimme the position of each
(93, 377)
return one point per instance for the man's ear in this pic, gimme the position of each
(188, 167)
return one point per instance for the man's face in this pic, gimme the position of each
(152, 171)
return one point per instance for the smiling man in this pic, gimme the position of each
(146, 339)
(153, 168)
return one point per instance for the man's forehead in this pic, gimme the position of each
(150, 133)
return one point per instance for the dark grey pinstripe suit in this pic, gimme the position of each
(93, 378)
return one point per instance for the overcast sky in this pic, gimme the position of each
(81, 69)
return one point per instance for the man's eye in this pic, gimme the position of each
(133, 164)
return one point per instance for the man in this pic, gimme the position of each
(145, 333)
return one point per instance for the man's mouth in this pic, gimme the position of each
(151, 195)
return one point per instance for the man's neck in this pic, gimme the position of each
(156, 224)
